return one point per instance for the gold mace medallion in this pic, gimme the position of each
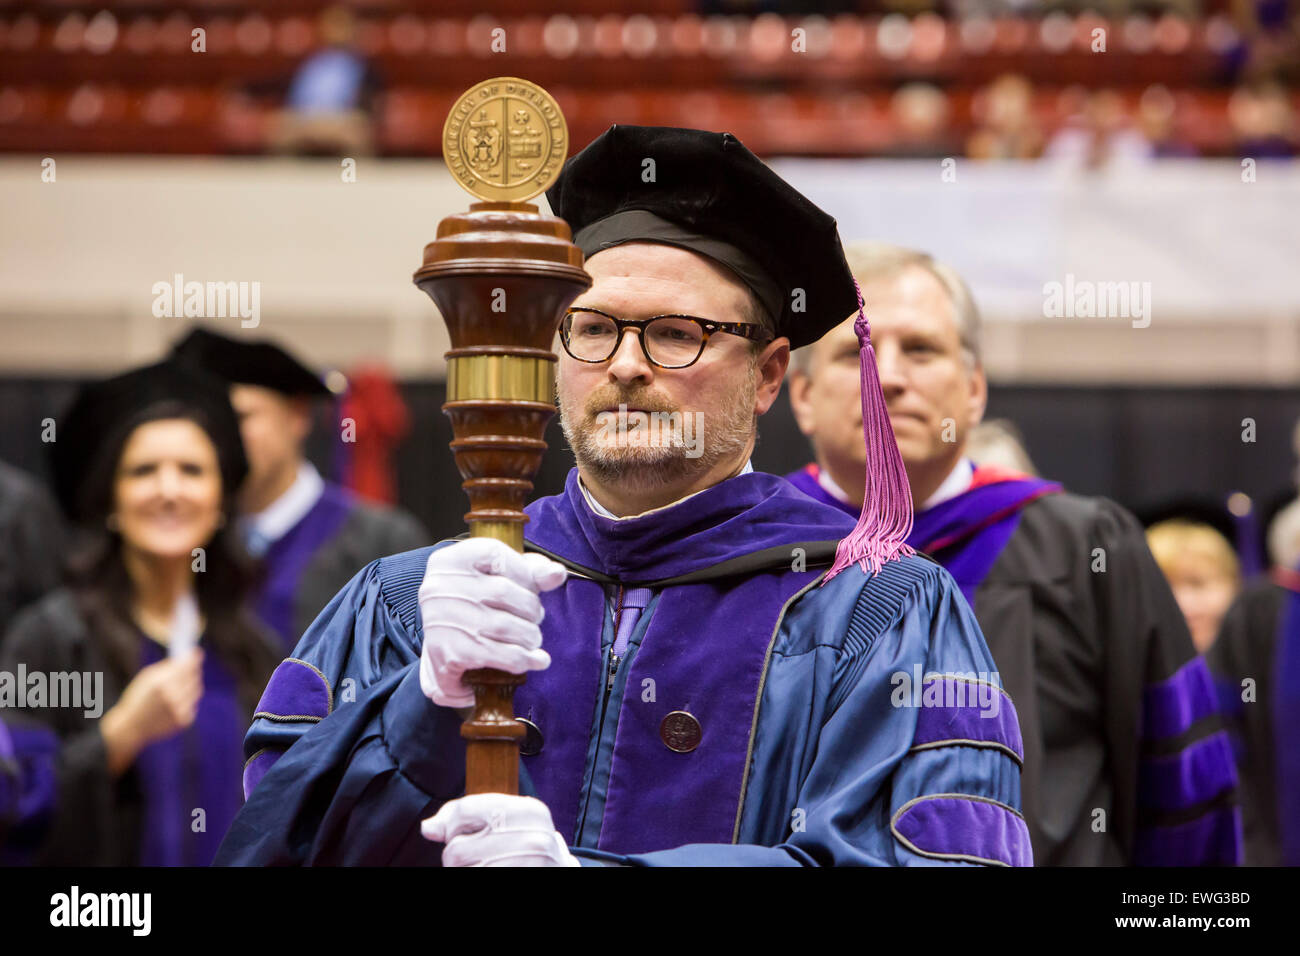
(505, 140)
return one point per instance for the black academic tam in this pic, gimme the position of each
(104, 413)
(706, 192)
(255, 362)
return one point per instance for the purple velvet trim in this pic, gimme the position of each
(966, 534)
(196, 769)
(1286, 718)
(10, 776)
(1172, 705)
(296, 689)
(738, 516)
(1197, 773)
(950, 522)
(954, 521)
(289, 556)
(970, 560)
(805, 479)
(563, 699)
(1228, 696)
(257, 768)
(967, 722)
(962, 827)
(1214, 839)
(28, 798)
(649, 784)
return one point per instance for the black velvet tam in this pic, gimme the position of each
(258, 362)
(706, 192)
(90, 435)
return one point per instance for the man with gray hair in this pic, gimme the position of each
(1126, 761)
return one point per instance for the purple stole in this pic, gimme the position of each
(288, 557)
(703, 650)
(966, 534)
(198, 768)
(805, 479)
(1286, 718)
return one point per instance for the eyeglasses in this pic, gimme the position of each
(668, 341)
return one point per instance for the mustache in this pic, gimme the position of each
(614, 397)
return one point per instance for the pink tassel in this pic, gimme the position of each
(886, 519)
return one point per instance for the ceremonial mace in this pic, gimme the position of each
(502, 275)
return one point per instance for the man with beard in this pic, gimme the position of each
(701, 690)
(1126, 761)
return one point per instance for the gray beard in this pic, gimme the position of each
(641, 468)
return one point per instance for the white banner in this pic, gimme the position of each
(1211, 245)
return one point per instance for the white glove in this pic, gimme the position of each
(497, 829)
(479, 605)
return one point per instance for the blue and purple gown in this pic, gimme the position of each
(851, 723)
(1126, 757)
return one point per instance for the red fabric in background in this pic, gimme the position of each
(381, 421)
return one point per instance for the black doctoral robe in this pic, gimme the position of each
(1126, 758)
(90, 818)
(1247, 650)
(318, 556)
(1119, 706)
(31, 543)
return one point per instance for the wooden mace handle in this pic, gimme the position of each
(492, 734)
(501, 275)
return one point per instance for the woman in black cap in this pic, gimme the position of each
(146, 665)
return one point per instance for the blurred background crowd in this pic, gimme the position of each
(988, 80)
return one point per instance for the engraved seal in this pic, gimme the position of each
(505, 140)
